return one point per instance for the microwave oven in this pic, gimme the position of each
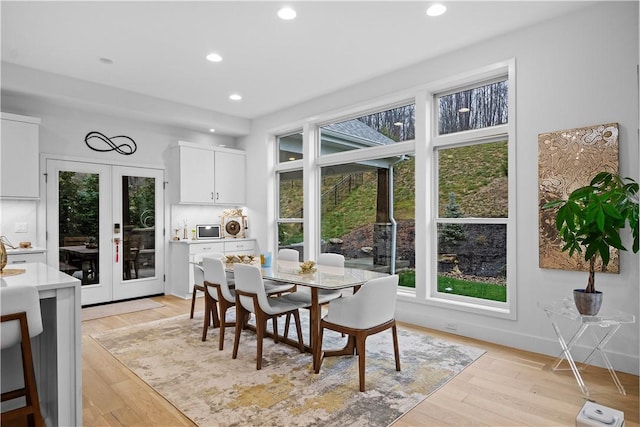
(208, 231)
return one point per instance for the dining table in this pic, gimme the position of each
(88, 257)
(324, 277)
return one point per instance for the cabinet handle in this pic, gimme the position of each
(19, 261)
(212, 195)
(217, 196)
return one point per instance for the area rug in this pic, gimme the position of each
(99, 311)
(212, 389)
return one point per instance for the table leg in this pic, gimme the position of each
(600, 344)
(315, 327)
(566, 350)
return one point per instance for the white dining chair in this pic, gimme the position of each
(217, 291)
(325, 296)
(21, 320)
(367, 312)
(198, 278)
(198, 284)
(287, 254)
(252, 298)
(278, 288)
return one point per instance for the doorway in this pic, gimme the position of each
(104, 227)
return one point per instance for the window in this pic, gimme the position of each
(290, 147)
(290, 227)
(373, 130)
(290, 210)
(471, 235)
(367, 199)
(472, 218)
(474, 108)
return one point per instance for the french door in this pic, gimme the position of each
(104, 226)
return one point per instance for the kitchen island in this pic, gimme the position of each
(57, 350)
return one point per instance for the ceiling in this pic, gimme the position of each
(158, 48)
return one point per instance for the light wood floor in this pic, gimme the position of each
(505, 387)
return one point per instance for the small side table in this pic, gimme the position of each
(611, 322)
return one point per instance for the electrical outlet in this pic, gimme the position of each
(21, 227)
(451, 326)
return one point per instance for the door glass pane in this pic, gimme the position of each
(79, 218)
(138, 227)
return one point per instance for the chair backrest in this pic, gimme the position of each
(374, 304)
(288, 254)
(74, 240)
(214, 273)
(249, 279)
(198, 271)
(333, 260)
(16, 300)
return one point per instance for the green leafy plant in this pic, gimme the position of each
(591, 218)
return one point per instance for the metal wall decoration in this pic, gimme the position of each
(126, 147)
(567, 160)
(234, 223)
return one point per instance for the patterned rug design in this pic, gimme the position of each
(212, 389)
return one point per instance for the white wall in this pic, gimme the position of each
(574, 71)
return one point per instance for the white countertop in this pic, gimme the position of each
(42, 276)
(31, 250)
(209, 241)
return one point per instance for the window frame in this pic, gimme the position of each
(508, 309)
(280, 168)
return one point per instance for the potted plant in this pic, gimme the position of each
(590, 221)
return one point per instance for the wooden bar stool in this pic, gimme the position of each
(21, 320)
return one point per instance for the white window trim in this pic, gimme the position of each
(507, 310)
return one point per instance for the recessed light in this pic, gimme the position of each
(235, 97)
(107, 61)
(292, 158)
(287, 13)
(212, 130)
(436, 9)
(214, 57)
(464, 110)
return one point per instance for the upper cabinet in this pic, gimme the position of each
(207, 175)
(19, 157)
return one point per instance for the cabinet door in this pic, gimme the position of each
(230, 178)
(19, 160)
(197, 175)
(241, 247)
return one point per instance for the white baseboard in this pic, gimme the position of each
(406, 312)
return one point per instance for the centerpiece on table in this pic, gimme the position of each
(244, 259)
(590, 220)
(307, 267)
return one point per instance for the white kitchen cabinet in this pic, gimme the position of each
(184, 252)
(19, 157)
(207, 175)
(23, 256)
(230, 178)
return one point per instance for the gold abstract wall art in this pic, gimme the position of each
(567, 160)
